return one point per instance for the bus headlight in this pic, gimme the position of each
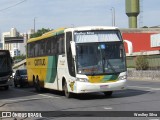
(122, 77)
(82, 79)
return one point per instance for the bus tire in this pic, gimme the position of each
(15, 84)
(65, 88)
(108, 93)
(6, 87)
(37, 85)
(21, 84)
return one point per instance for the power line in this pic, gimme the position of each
(12, 6)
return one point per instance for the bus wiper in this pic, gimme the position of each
(92, 71)
(104, 63)
(108, 63)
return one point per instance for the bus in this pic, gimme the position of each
(5, 68)
(78, 60)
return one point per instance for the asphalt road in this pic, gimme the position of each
(139, 96)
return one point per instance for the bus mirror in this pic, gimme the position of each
(73, 48)
(130, 46)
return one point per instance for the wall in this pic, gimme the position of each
(154, 61)
(141, 41)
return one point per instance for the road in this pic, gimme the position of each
(139, 96)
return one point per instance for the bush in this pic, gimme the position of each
(141, 63)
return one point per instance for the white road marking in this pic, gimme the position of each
(28, 99)
(48, 96)
(19, 100)
(108, 108)
(148, 88)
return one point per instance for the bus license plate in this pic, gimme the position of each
(104, 86)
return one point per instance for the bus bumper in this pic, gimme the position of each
(84, 87)
(5, 81)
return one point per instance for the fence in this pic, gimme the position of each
(154, 62)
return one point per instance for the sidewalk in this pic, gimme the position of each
(147, 75)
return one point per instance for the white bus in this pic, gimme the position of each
(78, 60)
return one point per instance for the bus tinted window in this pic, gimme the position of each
(48, 46)
(53, 46)
(60, 45)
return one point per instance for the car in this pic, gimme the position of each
(20, 78)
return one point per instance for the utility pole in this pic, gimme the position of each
(34, 24)
(113, 16)
(141, 14)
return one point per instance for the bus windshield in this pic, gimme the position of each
(100, 56)
(5, 65)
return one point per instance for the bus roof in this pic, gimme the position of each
(48, 34)
(85, 28)
(62, 30)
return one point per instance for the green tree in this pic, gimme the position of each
(142, 63)
(40, 32)
(144, 27)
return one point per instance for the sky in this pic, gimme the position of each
(52, 14)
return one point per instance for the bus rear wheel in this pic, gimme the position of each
(37, 85)
(66, 92)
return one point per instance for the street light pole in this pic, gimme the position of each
(113, 16)
(34, 24)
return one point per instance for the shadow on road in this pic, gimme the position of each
(99, 95)
(116, 94)
(15, 92)
(27, 91)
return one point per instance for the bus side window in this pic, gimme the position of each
(47, 47)
(53, 46)
(60, 44)
(36, 49)
(41, 46)
(32, 49)
(28, 50)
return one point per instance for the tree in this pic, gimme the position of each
(142, 63)
(144, 27)
(40, 32)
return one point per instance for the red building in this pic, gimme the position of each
(145, 41)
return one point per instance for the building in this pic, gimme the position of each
(15, 42)
(1, 46)
(145, 41)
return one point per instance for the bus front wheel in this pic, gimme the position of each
(6, 87)
(66, 92)
(108, 93)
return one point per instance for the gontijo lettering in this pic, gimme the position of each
(39, 62)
